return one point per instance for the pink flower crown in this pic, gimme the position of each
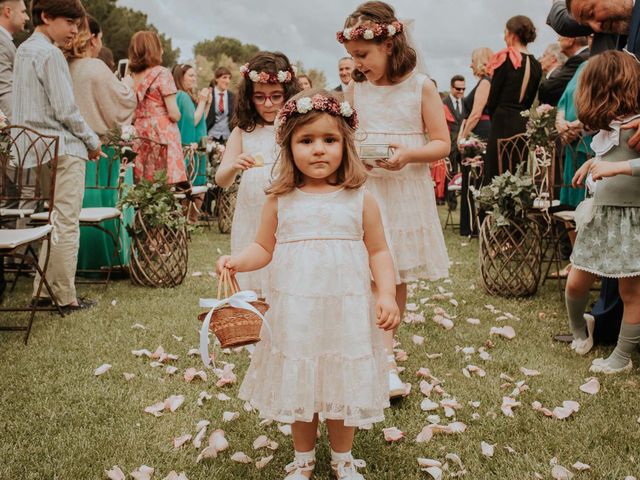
(320, 103)
(370, 31)
(283, 76)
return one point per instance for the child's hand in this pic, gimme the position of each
(387, 312)
(226, 262)
(601, 170)
(581, 174)
(244, 162)
(398, 161)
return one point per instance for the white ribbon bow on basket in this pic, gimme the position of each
(239, 299)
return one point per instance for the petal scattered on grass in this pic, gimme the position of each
(230, 416)
(115, 473)
(208, 452)
(128, 376)
(180, 441)
(508, 404)
(507, 332)
(428, 462)
(241, 457)
(260, 464)
(173, 402)
(177, 338)
(193, 352)
(591, 387)
(487, 449)
(102, 369)
(171, 370)
(473, 321)
(285, 429)
(263, 442)
(202, 396)
(223, 397)
(143, 473)
(444, 322)
(173, 475)
(428, 405)
(392, 434)
(424, 436)
(143, 352)
(560, 473)
(191, 373)
(138, 326)
(529, 373)
(580, 467)
(218, 440)
(418, 340)
(435, 472)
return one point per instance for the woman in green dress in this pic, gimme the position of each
(578, 147)
(193, 127)
(105, 102)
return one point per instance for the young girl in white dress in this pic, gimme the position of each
(399, 107)
(268, 81)
(322, 234)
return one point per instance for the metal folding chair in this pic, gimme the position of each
(28, 165)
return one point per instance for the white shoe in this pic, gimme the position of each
(396, 387)
(347, 469)
(582, 347)
(603, 367)
(296, 469)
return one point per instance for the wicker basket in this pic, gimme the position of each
(235, 327)
(225, 207)
(510, 257)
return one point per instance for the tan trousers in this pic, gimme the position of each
(63, 258)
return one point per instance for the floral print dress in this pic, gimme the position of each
(152, 121)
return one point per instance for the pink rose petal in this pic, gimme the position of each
(180, 441)
(591, 387)
(260, 464)
(143, 473)
(241, 457)
(115, 473)
(425, 435)
(392, 434)
(102, 369)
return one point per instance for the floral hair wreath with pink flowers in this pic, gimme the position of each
(283, 76)
(320, 103)
(370, 31)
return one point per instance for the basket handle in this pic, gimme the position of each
(227, 282)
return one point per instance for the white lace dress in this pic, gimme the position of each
(393, 114)
(326, 353)
(251, 199)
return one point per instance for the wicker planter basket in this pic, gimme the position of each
(159, 256)
(234, 327)
(510, 257)
(226, 206)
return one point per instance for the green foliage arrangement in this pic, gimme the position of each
(541, 126)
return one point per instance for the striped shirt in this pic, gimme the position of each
(43, 98)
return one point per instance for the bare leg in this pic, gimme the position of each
(577, 298)
(341, 440)
(304, 442)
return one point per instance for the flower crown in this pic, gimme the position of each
(370, 31)
(320, 103)
(283, 76)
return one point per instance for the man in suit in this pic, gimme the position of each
(345, 68)
(561, 20)
(13, 18)
(552, 59)
(222, 106)
(552, 87)
(454, 103)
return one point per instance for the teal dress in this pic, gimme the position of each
(191, 133)
(578, 152)
(96, 248)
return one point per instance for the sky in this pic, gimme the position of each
(446, 31)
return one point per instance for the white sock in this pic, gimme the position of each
(341, 457)
(306, 457)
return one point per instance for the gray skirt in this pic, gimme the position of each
(608, 242)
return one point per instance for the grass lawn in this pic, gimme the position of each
(59, 421)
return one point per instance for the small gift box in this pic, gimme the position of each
(370, 153)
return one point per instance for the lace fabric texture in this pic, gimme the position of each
(326, 353)
(608, 244)
(393, 115)
(251, 199)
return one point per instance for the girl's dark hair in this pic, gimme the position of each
(608, 89)
(350, 174)
(54, 9)
(403, 57)
(523, 28)
(246, 115)
(94, 26)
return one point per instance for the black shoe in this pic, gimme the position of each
(83, 304)
(41, 302)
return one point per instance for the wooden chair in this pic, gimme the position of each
(28, 166)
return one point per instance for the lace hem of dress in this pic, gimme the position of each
(604, 274)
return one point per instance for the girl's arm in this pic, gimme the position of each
(600, 170)
(479, 103)
(259, 253)
(233, 160)
(381, 265)
(172, 107)
(435, 124)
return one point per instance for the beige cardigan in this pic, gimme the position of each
(104, 101)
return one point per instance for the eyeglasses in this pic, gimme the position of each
(459, 89)
(275, 98)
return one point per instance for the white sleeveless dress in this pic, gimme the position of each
(393, 114)
(326, 354)
(251, 199)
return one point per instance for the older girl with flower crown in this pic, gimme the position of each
(398, 108)
(268, 81)
(322, 234)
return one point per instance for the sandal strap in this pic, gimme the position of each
(298, 466)
(346, 468)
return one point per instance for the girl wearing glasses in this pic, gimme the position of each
(268, 82)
